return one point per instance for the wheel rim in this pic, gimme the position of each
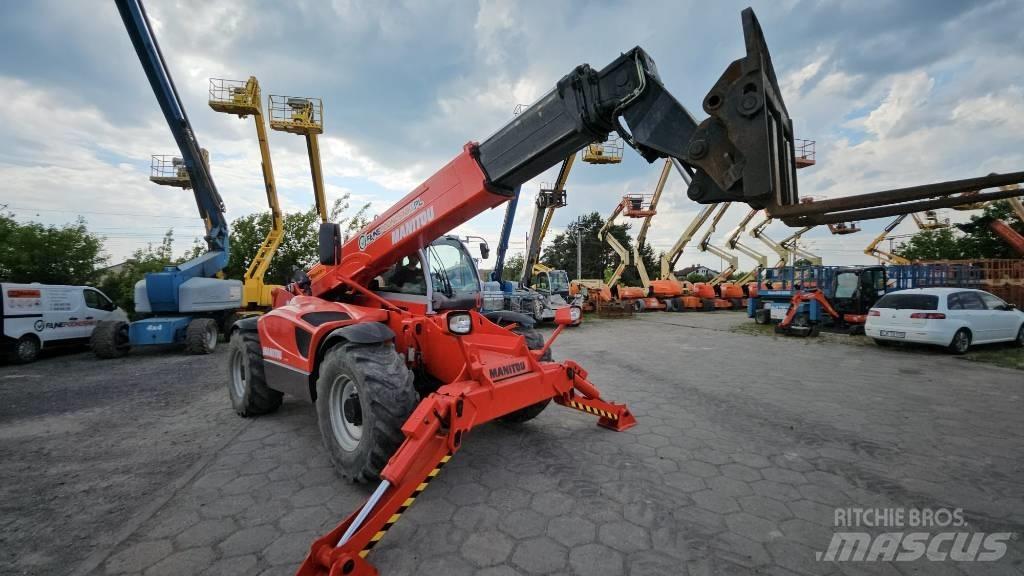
(211, 338)
(961, 342)
(238, 373)
(25, 349)
(346, 433)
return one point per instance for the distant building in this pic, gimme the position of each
(111, 270)
(702, 270)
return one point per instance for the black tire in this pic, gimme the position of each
(201, 336)
(247, 382)
(534, 341)
(1019, 342)
(26, 349)
(670, 305)
(110, 339)
(639, 306)
(368, 383)
(677, 304)
(762, 316)
(960, 343)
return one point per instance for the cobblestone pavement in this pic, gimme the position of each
(744, 448)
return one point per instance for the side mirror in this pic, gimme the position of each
(330, 243)
(569, 315)
(485, 250)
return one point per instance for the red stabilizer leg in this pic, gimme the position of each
(610, 415)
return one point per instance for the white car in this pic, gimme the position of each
(37, 316)
(954, 318)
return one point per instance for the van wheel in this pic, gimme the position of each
(961, 342)
(201, 336)
(26, 349)
(110, 339)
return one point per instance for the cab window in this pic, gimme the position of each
(540, 281)
(559, 281)
(451, 269)
(405, 277)
(846, 285)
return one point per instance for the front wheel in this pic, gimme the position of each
(247, 383)
(1019, 342)
(365, 394)
(110, 339)
(26, 349)
(961, 342)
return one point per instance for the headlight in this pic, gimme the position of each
(460, 323)
(574, 313)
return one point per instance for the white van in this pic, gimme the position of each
(42, 315)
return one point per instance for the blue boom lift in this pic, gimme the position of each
(186, 303)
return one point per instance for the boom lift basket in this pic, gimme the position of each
(843, 228)
(241, 97)
(638, 205)
(297, 115)
(550, 197)
(170, 170)
(804, 153)
(607, 152)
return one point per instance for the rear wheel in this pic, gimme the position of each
(26, 349)
(247, 382)
(201, 336)
(365, 394)
(534, 341)
(1019, 342)
(961, 342)
(110, 339)
(762, 316)
(639, 305)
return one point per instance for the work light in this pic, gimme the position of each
(460, 323)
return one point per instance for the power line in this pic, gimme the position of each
(31, 209)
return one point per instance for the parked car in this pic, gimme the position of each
(954, 318)
(37, 316)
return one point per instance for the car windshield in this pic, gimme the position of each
(559, 281)
(901, 301)
(451, 269)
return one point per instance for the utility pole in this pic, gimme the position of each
(579, 253)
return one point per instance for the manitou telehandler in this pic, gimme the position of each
(383, 334)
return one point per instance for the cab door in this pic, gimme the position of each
(97, 308)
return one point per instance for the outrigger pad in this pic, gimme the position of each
(745, 150)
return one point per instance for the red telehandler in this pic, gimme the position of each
(384, 335)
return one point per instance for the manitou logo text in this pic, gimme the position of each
(413, 224)
(508, 370)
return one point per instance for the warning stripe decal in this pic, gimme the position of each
(405, 506)
(592, 410)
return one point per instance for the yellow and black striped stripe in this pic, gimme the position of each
(405, 506)
(592, 410)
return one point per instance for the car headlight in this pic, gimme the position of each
(460, 323)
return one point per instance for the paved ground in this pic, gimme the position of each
(745, 447)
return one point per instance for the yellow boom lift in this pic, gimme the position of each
(780, 248)
(242, 98)
(733, 242)
(305, 117)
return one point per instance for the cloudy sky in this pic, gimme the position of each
(894, 93)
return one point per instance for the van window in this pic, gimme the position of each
(97, 301)
(904, 301)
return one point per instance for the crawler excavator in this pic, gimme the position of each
(383, 335)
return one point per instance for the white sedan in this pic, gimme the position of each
(954, 318)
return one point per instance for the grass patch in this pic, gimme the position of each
(1005, 355)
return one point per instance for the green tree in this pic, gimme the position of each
(941, 244)
(120, 285)
(598, 258)
(513, 268)
(694, 277)
(975, 241)
(299, 246)
(32, 252)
